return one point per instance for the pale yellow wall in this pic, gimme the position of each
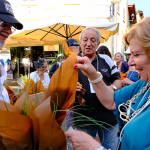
(51, 47)
(43, 9)
(121, 17)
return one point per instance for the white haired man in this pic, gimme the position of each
(94, 112)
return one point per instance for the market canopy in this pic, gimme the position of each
(51, 32)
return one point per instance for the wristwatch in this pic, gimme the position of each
(114, 87)
(100, 148)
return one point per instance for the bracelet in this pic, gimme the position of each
(100, 148)
(114, 87)
(98, 79)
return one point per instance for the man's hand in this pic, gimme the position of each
(81, 140)
(126, 81)
(78, 87)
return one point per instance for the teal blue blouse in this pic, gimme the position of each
(136, 133)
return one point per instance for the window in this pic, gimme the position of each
(112, 10)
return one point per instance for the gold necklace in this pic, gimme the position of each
(125, 108)
(140, 109)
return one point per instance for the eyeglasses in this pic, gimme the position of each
(8, 26)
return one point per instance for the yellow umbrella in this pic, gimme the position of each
(13, 41)
(57, 31)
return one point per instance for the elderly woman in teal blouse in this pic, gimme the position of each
(132, 103)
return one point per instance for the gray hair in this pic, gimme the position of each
(121, 54)
(94, 29)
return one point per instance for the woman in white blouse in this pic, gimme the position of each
(40, 73)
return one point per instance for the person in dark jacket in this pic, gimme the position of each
(101, 119)
(56, 65)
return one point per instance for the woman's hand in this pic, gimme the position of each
(84, 64)
(126, 81)
(81, 140)
(103, 92)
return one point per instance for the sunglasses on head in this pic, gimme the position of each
(8, 26)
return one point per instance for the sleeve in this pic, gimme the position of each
(34, 77)
(124, 67)
(2, 74)
(2, 62)
(115, 75)
(47, 79)
(5, 96)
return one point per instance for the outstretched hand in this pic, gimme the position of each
(81, 140)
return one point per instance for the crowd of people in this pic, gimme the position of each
(115, 109)
(130, 103)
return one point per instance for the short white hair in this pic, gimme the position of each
(122, 55)
(94, 29)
